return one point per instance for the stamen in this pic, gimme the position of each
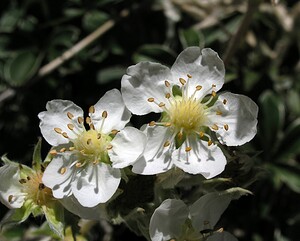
(70, 115)
(89, 141)
(219, 112)
(151, 99)
(58, 130)
(115, 132)
(22, 181)
(189, 76)
(220, 230)
(182, 81)
(152, 123)
(109, 147)
(72, 148)
(62, 149)
(161, 104)
(168, 95)
(224, 101)
(70, 126)
(226, 127)
(78, 164)
(215, 127)
(213, 85)
(98, 136)
(104, 114)
(53, 152)
(10, 198)
(188, 148)
(80, 120)
(198, 87)
(167, 83)
(167, 124)
(65, 135)
(92, 109)
(88, 120)
(180, 135)
(63, 170)
(92, 127)
(41, 186)
(167, 143)
(209, 143)
(213, 93)
(28, 178)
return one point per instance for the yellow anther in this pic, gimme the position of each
(53, 152)
(22, 181)
(224, 101)
(226, 127)
(88, 120)
(58, 130)
(80, 120)
(167, 124)
(168, 95)
(109, 147)
(78, 164)
(167, 83)
(182, 81)
(28, 178)
(209, 143)
(65, 135)
(70, 115)
(151, 99)
(98, 136)
(92, 127)
(10, 198)
(152, 123)
(89, 141)
(220, 230)
(72, 148)
(213, 93)
(198, 87)
(215, 127)
(213, 85)
(104, 114)
(70, 126)
(201, 134)
(63, 170)
(188, 148)
(95, 162)
(167, 143)
(62, 149)
(41, 186)
(92, 109)
(114, 132)
(179, 135)
(219, 112)
(189, 76)
(161, 104)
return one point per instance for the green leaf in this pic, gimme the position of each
(37, 158)
(110, 74)
(55, 217)
(22, 67)
(191, 37)
(94, 19)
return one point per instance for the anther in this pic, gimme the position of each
(182, 81)
(92, 109)
(65, 135)
(88, 120)
(58, 130)
(224, 101)
(209, 143)
(22, 181)
(215, 127)
(53, 152)
(188, 148)
(161, 104)
(201, 134)
(95, 162)
(63, 170)
(92, 127)
(226, 127)
(152, 123)
(167, 83)
(213, 85)
(104, 114)
(213, 93)
(114, 132)
(10, 198)
(167, 143)
(70, 126)
(109, 147)
(189, 76)
(98, 136)
(70, 115)
(220, 230)
(41, 186)
(168, 95)
(62, 149)
(180, 135)
(198, 87)
(72, 148)
(151, 99)
(28, 178)
(89, 141)
(167, 124)
(78, 164)
(219, 112)
(80, 120)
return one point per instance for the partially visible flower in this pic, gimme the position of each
(86, 162)
(23, 191)
(174, 220)
(192, 113)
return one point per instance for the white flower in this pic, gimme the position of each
(186, 95)
(86, 161)
(174, 220)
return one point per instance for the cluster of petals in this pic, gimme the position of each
(88, 153)
(194, 118)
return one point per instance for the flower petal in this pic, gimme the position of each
(201, 159)
(96, 184)
(59, 175)
(56, 117)
(95, 213)
(156, 159)
(167, 220)
(10, 185)
(240, 114)
(222, 236)
(117, 114)
(204, 66)
(128, 145)
(142, 81)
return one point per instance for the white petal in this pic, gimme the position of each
(240, 114)
(222, 236)
(95, 213)
(142, 81)
(167, 220)
(207, 210)
(96, 184)
(59, 175)
(56, 117)
(205, 67)
(156, 158)
(10, 185)
(128, 145)
(201, 159)
(117, 114)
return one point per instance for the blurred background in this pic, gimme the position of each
(79, 49)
